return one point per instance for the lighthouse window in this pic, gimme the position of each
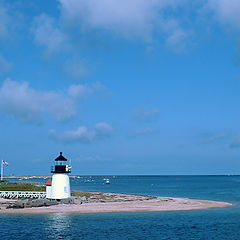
(60, 163)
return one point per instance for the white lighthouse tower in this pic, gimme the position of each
(60, 188)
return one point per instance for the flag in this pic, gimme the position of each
(5, 163)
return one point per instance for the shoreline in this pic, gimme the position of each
(100, 202)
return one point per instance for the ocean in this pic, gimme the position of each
(218, 223)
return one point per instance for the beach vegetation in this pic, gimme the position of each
(81, 194)
(22, 187)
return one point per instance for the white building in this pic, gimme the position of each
(48, 188)
(60, 186)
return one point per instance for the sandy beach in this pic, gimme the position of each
(113, 202)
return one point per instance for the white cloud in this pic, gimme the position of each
(47, 34)
(29, 105)
(103, 129)
(129, 19)
(145, 131)
(226, 12)
(81, 90)
(83, 134)
(77, 90)
(135, 19)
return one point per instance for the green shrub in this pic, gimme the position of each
(22, 187)
(81, 194)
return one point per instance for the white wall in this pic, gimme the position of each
(60, 186)
(48, 191)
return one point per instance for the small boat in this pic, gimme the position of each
(107, 181)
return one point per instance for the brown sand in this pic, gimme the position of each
(120, 203)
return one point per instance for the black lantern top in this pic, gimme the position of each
(60, 158)
(61, 165)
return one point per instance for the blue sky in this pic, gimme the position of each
(120, 87)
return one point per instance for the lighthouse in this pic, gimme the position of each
(60, 188)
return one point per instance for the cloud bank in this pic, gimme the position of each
(135, 19)
(142, 20)
(30, 105)
(226, 12)
(47, 34)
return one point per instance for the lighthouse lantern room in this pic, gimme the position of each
(60, 180)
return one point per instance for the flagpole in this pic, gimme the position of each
(1, 170)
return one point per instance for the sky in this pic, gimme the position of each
(120, 87)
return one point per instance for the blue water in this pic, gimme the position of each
(219, 223)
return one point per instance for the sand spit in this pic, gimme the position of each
(114, 202)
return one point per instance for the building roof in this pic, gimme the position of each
(49, 182)
(60, 158)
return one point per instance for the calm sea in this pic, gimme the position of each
(222, 223)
